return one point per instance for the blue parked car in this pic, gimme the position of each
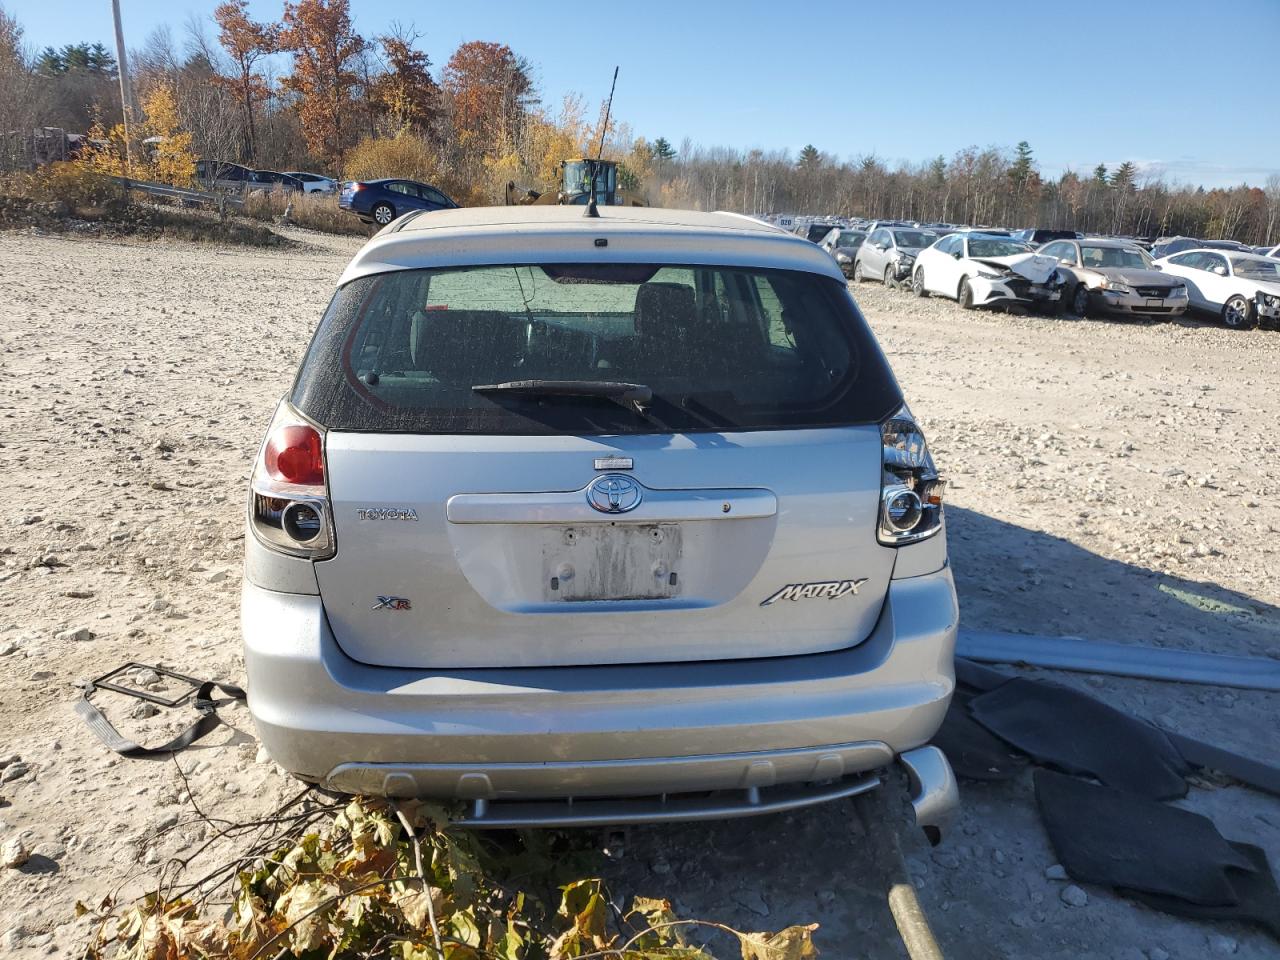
(381, 201)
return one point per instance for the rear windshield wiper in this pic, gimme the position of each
(612, 389)
(632, 396)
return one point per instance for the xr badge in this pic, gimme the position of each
(391, 603)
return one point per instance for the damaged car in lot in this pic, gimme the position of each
(981, 270)
(1242, 289)
(1117, 277)
(843, 244)
(888, 254)
(583, 520)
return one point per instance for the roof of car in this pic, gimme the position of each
(1106, 242)
(563, 234)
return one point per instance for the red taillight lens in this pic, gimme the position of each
(357, 187)
(293, 454)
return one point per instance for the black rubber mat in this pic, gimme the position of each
(977, 677)
(1116, 839)
(1076, 733)
(974, 678)
(1259, 898)
(974, 753)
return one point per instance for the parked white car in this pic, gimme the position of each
(981, 270)
(598, 520)
(314, 182)
(1241, 288)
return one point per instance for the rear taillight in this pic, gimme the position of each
(910, 489)
(288, 499)
(293, 454)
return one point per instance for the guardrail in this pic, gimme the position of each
(180, 193)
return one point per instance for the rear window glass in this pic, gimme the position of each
(720, 348)
(914, 238)
(979, 247)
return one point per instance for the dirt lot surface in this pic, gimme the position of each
(1110, 481)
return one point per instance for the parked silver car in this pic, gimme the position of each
(889, 253)
(1115, 276)
(598, 520)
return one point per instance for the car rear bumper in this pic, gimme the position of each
(776, 733)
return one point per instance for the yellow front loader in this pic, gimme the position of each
(575, 186)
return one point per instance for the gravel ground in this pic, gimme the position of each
(1109, 480)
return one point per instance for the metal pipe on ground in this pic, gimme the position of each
(880, 824)
(1120, 659)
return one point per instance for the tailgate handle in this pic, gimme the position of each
(573, 507)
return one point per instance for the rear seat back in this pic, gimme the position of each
(467, 346)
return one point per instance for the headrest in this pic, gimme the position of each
(663, 308)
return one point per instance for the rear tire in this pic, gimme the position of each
(965, 295)
(857, 271)
(383, 213)
(1237, 313)
(1080, 301)
(917, 284)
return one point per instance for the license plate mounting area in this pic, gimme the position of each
(612, 561)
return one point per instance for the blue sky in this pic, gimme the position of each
(1180, 87)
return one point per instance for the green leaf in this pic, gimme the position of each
(463, 925)
(509, 945)
(416, 951)
(659, 917)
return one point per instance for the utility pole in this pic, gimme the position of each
(126, 92)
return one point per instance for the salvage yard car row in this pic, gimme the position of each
(1068, 274)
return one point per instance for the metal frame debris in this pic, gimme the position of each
(1120, 659)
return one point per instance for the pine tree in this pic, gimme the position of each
(809, 157)
(1022, 167)
(662, 149)
(1124, 176)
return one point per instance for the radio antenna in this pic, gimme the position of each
(592, 211)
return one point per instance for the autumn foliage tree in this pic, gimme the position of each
(324, 45)
(490, 90)
(167, 158)
(246, 42)
(171, 159)
(405, 94)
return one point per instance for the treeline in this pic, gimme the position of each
(991, 187)
(353, 105)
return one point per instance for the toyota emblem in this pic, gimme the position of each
(612, 493)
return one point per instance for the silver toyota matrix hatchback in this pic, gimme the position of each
(598, 520)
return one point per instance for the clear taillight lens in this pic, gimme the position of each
(911, 491)
(288, 497)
